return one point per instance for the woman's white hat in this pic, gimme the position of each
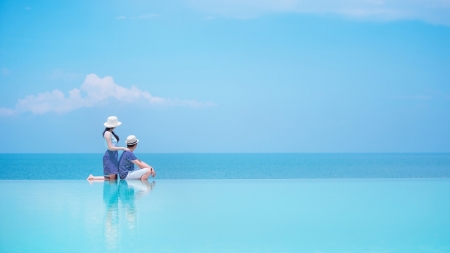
(112, 122)
(131, 140)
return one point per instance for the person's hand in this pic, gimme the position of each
(152, 172)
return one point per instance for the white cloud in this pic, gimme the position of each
(54, 101)
(431, 11)
(94, 91)
(100, 89)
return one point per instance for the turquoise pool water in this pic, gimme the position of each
(227, 215)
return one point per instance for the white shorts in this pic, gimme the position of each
(137, 174)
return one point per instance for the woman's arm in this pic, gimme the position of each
(110, 146)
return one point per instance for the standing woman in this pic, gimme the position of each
(111, 157)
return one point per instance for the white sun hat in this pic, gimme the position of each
(112, 122)
(131, 140)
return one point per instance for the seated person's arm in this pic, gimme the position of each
(141, 164)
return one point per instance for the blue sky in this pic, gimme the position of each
(226, 76)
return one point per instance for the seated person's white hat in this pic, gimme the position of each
(131, 140)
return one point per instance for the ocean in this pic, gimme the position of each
(234, 166)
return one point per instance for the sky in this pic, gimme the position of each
(226, 76)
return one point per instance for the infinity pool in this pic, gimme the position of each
(299, 215)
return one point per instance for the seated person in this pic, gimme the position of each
(128, 160)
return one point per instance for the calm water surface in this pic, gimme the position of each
(287, 215)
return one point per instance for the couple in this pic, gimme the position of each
(125, 165)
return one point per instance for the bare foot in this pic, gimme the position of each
(91, 177)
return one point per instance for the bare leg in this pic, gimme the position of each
(91, 177)
(147, 174)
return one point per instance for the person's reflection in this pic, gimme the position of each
(111, 199)
(127, 192)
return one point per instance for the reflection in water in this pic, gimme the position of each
(125, 193)
(111, 199)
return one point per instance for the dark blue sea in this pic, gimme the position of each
(234, 166)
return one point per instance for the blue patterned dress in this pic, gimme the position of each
(111, 158)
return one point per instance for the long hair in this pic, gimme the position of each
(109, 128)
